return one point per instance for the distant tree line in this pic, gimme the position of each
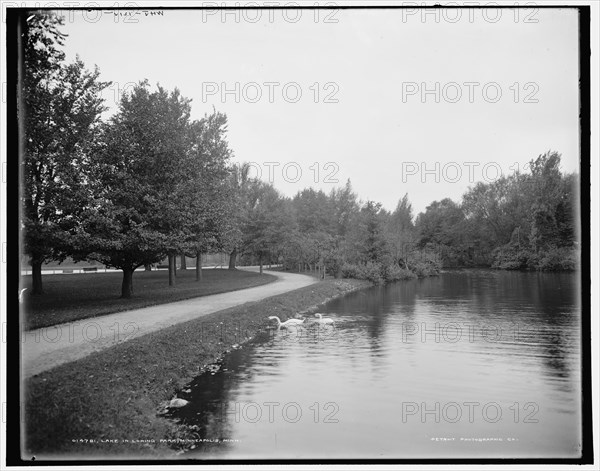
(522, 221)
(333, 234)
(150, 182)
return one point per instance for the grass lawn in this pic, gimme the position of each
(116, 393)
(80, 296)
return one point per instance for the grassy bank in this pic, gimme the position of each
(116, 394)
(72, 297)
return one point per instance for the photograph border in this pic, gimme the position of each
(15, 148)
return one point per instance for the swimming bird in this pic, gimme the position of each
(323, 320)
(288, 323)
(21, 295)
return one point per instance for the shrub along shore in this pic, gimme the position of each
(108, 404)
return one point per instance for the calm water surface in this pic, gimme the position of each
(473, 363)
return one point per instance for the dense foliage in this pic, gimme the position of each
(62, 110)
(150, 183)
(523, 221)
(339, 235)
(145, 184)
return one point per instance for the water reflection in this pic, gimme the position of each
(473, 363)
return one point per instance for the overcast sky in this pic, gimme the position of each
(361, 114)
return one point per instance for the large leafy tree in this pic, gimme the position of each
(366, 240)
(162, 119)
(372, 245)
(240, 186)
(345, 216)
(323, 225)
(314, 211)
(400, 232)
(441, 229)
(345, 208)
(268, 222)
(316, 219)
(547, 192)
(63, 105)
(139, 176)
(494, 206)
(206, 196)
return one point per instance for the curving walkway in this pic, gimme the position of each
(48, 347)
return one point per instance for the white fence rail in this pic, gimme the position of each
(91, 270)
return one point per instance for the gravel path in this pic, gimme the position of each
(48, 347)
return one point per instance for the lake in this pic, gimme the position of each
(471, 363)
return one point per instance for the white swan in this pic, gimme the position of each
(287, 323)
(322, 320)
(21, 295)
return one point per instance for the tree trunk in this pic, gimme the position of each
(232, 258)
(36, 272)
(260, 263)
(171, 269)
(198, 266)
(183, 262)
(148, 267)
(127, 285)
